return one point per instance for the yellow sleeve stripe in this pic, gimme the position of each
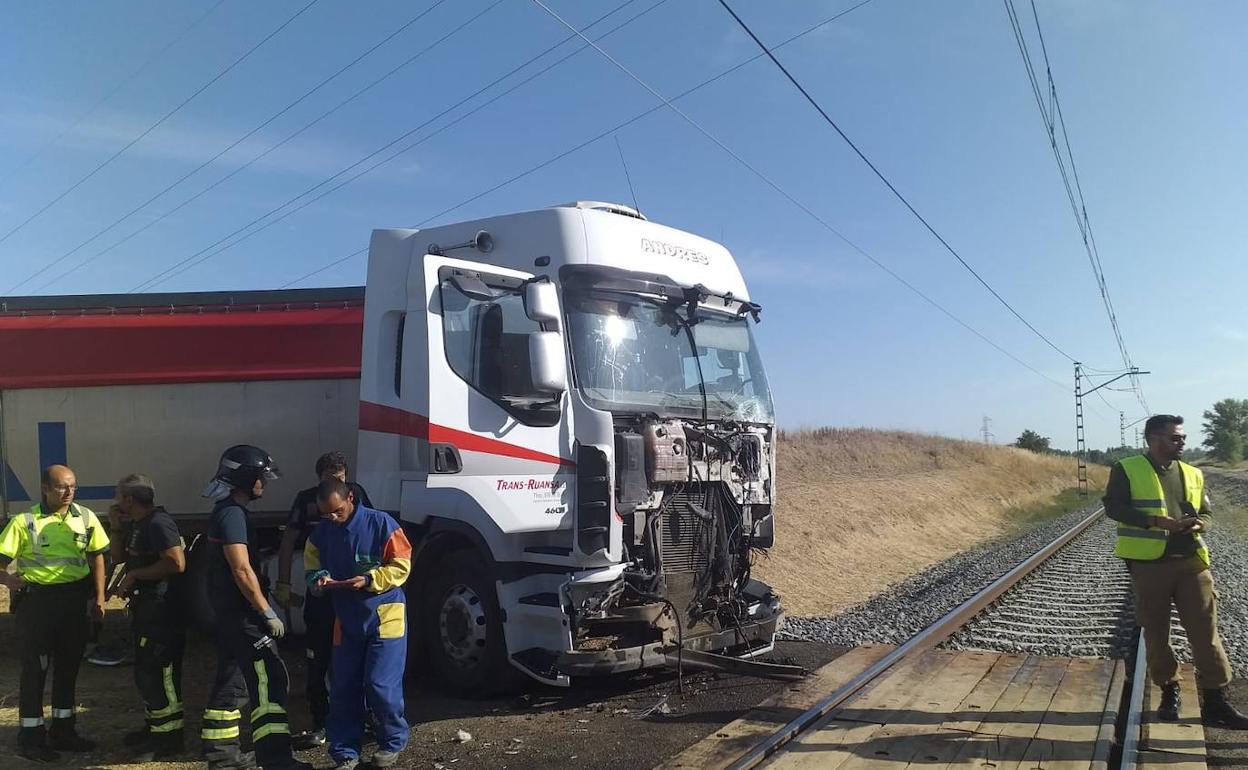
(390, 575)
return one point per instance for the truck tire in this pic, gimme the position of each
(462, 628)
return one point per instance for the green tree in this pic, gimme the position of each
(1225, 428)
(1033, 441)
(1225, 444)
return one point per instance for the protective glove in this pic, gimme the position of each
(281, 594)
(273, 624)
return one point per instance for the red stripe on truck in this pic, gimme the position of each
(388, 419)
(65, 351)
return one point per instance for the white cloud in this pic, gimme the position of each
(185, 144)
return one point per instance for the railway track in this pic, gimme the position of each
(1071, 598)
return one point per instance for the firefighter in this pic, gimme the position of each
(318, 611)
(58, 590)
(361, 558)
(249, 666)
(154, 557)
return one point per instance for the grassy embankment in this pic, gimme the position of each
(862, 509)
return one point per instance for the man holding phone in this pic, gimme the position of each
(1161, 508)
(361, 558)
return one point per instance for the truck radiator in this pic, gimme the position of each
(685, 539)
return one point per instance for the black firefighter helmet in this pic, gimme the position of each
(242, 464)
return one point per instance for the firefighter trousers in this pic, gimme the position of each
(159, 641)
(318, 620)
(52, 633)
(250, 672)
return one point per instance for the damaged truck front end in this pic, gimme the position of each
(688, 476)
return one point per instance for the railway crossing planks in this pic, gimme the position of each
(969, 711)
(1173, 745)
(1071, 727)
(722, 747)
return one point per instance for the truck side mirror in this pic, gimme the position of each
(546, 363)
(541, 302)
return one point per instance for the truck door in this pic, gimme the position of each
(499, 449)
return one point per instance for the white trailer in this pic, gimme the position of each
(565, 408)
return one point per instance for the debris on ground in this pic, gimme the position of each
(462, 736)
(658, 708)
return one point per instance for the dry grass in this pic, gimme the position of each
(862, 509)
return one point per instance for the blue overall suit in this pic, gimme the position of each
(370, 635)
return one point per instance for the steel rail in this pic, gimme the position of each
(926, 639)
(1135, 709)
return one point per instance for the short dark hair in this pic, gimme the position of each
(330, 487)
(139, 487)
(1159, 422)
(331, 461)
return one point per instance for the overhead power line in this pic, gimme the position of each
(666, 103)
(108, 96)
(259, 224)
(685, 116)
(284, 141)
(1050, 106)
(889, 184)
(157, 124)
(564, 153)
(324, 82)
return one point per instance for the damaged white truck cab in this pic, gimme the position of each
(568, 409)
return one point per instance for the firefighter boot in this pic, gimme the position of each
(63, 736)
(161, 747)
(32, 744)
(1217, 711)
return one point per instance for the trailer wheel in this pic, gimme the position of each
(463, 628)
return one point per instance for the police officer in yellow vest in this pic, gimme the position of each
(1161, 508)
(59, 588)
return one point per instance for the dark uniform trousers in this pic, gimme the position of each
(159, 641)
(1187, 584)
(318, 620)
(249, 671)
(52, 631)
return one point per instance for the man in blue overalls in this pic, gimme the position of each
(361, 558)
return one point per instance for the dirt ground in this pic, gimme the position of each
(599, 724)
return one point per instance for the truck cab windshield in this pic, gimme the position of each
(633, 353)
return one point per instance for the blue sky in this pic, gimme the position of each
(934, 93)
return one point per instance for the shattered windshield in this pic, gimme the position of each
(632, 353)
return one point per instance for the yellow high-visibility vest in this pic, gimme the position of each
(50, 548)
(1147, 497)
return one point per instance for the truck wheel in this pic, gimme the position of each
(463, 628)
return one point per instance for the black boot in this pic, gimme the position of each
(1171, 702)
(160, 747)
(63, 736)
(1217, 711)
(32, 744)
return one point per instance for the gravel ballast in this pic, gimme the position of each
(904, 609)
